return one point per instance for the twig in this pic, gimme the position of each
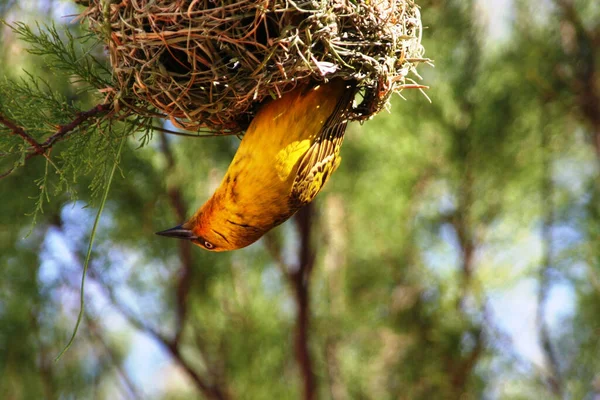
(63, 130)
(60, 134)
(19, 131)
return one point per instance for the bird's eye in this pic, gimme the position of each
(208, 245)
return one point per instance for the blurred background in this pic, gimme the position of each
(455, 254)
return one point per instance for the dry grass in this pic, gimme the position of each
(208, 63)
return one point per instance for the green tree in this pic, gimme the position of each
(386, 287)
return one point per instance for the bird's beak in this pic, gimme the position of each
(178, 232)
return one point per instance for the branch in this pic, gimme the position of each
(63, 130)
(584, 84)
(94, 332)
(461, 372)
(460, 221)
(300, 280)
(553, 376)
(468, 243)
(172, 345)
(60, 134)
(17, 130)
(45, 364)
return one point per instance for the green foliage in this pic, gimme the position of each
(49, 115)
(65, 55)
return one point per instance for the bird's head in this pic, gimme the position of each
(201, 232)
(211, 231)
(206, 241)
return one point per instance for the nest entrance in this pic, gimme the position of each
(208, 63)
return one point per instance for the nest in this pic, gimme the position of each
(209, 63)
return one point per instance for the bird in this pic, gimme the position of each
(289, 151)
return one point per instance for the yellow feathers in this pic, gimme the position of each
(286, 156)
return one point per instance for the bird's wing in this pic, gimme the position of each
(322, 158)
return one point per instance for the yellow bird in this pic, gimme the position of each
(288, 152)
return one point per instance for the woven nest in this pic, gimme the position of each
(209, 63)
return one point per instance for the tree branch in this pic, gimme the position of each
(460, 221)
(95, 333)
(553, 378)
(584, 83)
(211, 391)
(462, 369)
(17, 130)
(461, 372)
(63, 130)
(172, 345)
(45, 364)
(60, 134)
(300, 280)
